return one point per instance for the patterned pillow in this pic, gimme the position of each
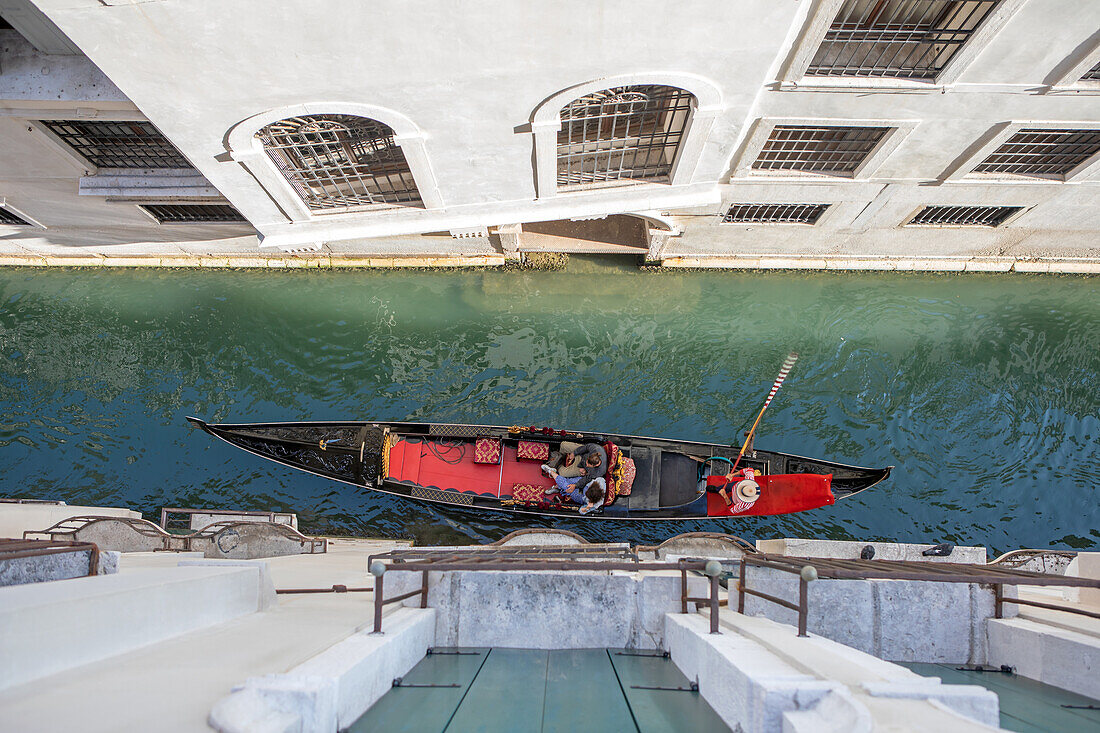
(533, 450)
(629, 472)
(614, 471)
(528, 492)
(487, 450)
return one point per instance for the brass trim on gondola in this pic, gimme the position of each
(450, 497)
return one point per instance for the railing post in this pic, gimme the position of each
(809, 572)
(683, 590)
(713, 568)
(424, 589)
(998, 600)
(378, 569)
(741, 585)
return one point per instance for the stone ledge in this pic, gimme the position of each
(332, 689)
(883, 264)
(231, 262)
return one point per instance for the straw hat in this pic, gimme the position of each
(747, 491)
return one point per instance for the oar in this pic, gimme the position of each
(791, 359)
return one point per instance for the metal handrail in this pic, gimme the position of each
(528, 561)
(11, 549)
(809, 569)
(317, 545)
(72, 525)
(271, 515)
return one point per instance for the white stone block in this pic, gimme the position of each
(46, 628)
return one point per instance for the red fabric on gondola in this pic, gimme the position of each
(533, 450)
(487, 450)
(451, 467)
(780, 494)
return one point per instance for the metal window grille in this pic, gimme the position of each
(837, 150)
(9, 218)
(119, 144)
(909, 39)
(964, 216)
(193, 213)
(624, 133)
(774, 213)
(340, 161)
(1042, 152)
(1092, 74)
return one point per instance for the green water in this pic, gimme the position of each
(982, 390)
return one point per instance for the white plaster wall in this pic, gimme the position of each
(470, 76)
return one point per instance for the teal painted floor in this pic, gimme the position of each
(1027, 706)
(526, 690)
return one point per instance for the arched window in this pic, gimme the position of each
(628, 132)
(339, 161)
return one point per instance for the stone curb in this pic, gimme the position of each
(253, 261)
(888, 264)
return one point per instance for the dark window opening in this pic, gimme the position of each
(774, 213)
(340, 161)
(836, 150)
(623, 133)
(972, 216)
(194, 213)
(118, 144)
(11, 219)
(1042, 153)
(907, 39)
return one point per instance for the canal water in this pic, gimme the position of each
(983, 391)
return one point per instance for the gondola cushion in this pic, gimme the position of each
(487, 450)
(629, 472)
(533, 450)
(528, 492)
(614, 471)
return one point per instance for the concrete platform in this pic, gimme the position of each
(46, 628)
(173, 684)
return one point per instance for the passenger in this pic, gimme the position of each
(596, 493)
(574, 456)
(589, 492)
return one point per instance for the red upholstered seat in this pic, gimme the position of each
(487, 450)
(533, 450)
(629, 472)
(530, 493)
(614, 471)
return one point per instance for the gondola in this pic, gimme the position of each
(497, 468)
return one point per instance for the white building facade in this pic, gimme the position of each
(695, 134)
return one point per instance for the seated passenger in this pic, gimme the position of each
(577, 460)
(589, 492)
(595, 493)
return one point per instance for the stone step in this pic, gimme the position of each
(46, 628)
(1051, 654)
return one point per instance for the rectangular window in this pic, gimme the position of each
(905, 39)
(829, 150)
(1092, 74)
(964, 216)
(194, 213)
(11, 219)
(774, 213)
(1042, 153)
(118, 144)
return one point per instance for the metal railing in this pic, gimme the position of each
(578, 558)
(810, 569)
(272, 516)
(11, 549)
